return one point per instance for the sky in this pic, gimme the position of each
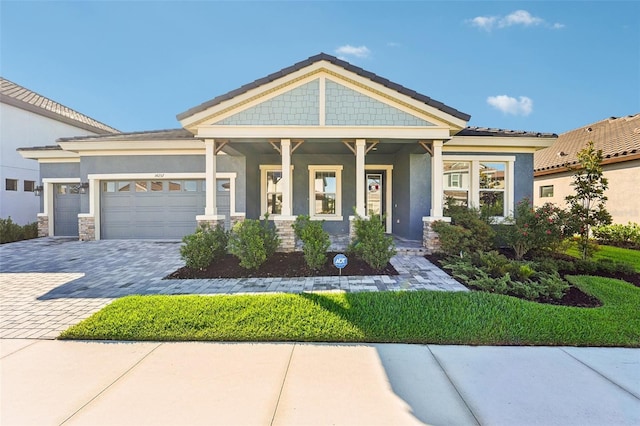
(544, 66)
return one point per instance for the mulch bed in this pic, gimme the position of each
(280, 265)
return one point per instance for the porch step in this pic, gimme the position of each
(411, 251)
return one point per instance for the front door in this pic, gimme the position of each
(376, 200)
(66, 206)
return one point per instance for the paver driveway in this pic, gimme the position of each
(47, 284)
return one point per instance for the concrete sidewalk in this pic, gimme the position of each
(91, 383)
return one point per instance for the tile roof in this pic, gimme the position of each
(335, 61)
(487, 131)
(617, 137)
(21, 97)
(151, 135)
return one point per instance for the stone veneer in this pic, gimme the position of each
(286, 233)
(236, 219)
(211, 222)
(86, 228)
(430, 238)
(43, 226)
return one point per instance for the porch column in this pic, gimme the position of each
(360, 153)
(285, 151)
(436, 179)
(210, 176)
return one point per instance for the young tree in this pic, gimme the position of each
(587, 205)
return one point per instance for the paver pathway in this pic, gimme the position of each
(50, 283)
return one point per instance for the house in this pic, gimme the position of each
(619, 140)
(27, 118)
(321, 137)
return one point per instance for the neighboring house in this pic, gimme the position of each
(619, 140)
(321, 137)
(27, 118)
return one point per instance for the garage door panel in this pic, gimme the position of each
(155, 214)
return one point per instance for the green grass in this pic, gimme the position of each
(617, 254)
(473, 318)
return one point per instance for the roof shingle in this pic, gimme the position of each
(616, 137)
(21, 97)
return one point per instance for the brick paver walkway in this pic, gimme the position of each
(49, 283)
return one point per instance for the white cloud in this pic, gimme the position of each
(509, 105)
(358, 52)
(393, 44)
(518, 18)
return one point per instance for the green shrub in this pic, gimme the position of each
(602, 266)
(253, 242)
(315, 241)
(481, 235)
(495, 273)
(204, 246)
(454, 239)
(541, 229)
(618, 235)
(11, 231)
(371, 244)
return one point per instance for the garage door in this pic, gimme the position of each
(153, 209)
(66, 206)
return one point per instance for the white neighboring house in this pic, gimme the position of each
(29, 119)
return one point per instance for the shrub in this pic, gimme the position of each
(541, 229)
(481, 235)
(204, 246)
(618, 235)
(315, 241)
(253, 242)
(454, 239)
(11, 231)
(371, 244)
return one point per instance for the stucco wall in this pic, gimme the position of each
(22, 129)
(624, 181)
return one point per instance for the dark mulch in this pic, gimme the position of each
(280, 265)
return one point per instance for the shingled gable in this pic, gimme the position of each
(335, 61)
(20, 97)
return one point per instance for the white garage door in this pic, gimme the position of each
(155, 209)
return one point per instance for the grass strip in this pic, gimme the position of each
(617, 254)
(473, 318)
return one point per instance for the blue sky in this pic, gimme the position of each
(543, 66)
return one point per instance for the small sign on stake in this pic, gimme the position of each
(340, 261)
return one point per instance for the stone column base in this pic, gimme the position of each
(286, 233)
(212, 220)
(236, 218)
(430, 238)
(43, 226)
(86, 227)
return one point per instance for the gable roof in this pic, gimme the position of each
(335, 61)
(20, 97)
(489, 131)
(149, 135)
(618, 138)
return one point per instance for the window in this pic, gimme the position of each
(485, 182)
(156, 186)
(271, 189)
(325, 186)
(11, 184)
(546, 191)
(191, 185)
(457, 181)
(142, 186)
(29, 186)
(175, 185)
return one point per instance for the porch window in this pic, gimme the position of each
(272, 188)
(484, 182)
(325, 192)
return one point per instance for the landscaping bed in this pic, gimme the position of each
(280, 265)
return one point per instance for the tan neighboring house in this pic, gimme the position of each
(619, 140)
(26, 119)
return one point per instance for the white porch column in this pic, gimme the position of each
(436, 179)
(210, 176)
(361, 145)
(285, 151)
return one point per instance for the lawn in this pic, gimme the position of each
(617, 254)
(474, 318)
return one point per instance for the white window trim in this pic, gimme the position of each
(337, 169)
(474, 184)
(264, 168)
